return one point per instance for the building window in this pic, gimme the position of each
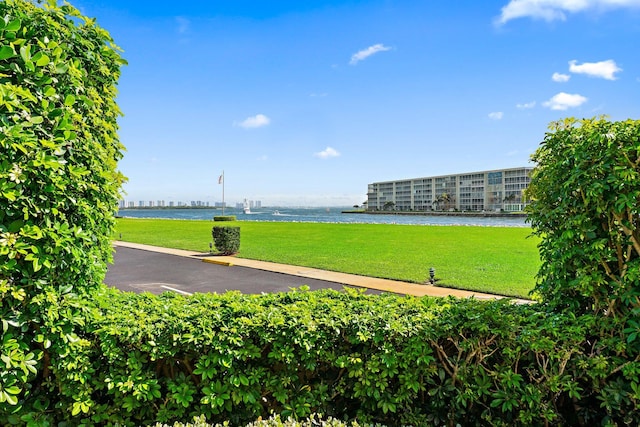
(494, 178)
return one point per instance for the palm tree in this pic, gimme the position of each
(388, 206)
(510, 198)
(443, 199)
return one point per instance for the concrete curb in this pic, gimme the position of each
(215, 261)
(384, 285)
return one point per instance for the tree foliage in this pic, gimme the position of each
(585, 205)
(59, 184)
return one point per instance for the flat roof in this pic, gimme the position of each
(454, 174)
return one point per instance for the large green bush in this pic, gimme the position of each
(388, 359)
(585, 193)
(58, 189)
(585, 204)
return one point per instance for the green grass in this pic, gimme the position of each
(498, 260)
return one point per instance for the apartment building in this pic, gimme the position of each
(495, 191)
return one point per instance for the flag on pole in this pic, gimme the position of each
(220, 179)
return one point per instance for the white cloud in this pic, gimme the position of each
(327, 153)
(183, 24)
(563, 101)
(496, 115)
(256, 121)
(365, 53)
(526, 105)
(603, 69)
(560, 78)
(551, 10)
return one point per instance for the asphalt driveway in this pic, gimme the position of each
(138, 270)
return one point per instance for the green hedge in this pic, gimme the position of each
(387, 359)
(275, 421)
(224, 218)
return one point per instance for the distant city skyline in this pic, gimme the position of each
(130, 204)
(304, 103)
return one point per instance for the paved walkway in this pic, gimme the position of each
(384, 285)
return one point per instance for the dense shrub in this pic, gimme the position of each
(275, 421)
(58, 190)
(585, 194)
(387, 359)
(224, 218)
(585, 204)
(226, 239)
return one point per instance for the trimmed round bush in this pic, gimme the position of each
(226, 239)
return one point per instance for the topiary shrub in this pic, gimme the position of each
(226, 239)
(59, 188)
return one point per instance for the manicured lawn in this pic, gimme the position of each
(497, 260)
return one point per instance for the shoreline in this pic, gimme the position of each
(433, 213)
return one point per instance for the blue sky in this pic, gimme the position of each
(304, 103)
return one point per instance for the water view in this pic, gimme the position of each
(332, 214)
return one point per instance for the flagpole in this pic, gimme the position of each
(222, 177)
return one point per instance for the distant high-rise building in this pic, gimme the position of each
(141, 204)
(132, 204)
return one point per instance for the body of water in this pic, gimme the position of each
(333, 215)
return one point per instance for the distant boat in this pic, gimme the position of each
(245, 207)
(276, 212)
